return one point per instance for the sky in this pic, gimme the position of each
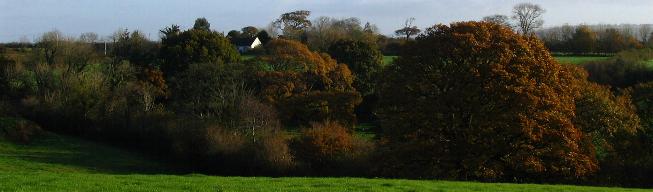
(28, 19)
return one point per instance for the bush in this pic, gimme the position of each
(254, 144)
(329, 148)
(4, 80)
(318, 106)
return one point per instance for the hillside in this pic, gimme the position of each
(61, 163)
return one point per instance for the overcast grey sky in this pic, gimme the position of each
(30, 18)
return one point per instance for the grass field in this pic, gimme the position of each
(387, 60)
(61, 163)
(578, 59)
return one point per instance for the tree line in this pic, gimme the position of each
(596, 39)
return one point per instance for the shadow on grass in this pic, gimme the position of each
(77, 154)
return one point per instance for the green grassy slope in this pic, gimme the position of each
(387, 60)
(61, 163)
(55, 153)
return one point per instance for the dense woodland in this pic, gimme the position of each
(477, 100)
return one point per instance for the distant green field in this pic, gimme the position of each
(248, 57)
(388, 59)
(61, 163)
(578, 59)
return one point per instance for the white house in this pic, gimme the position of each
(245, 44)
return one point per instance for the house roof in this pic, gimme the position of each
(243, 41)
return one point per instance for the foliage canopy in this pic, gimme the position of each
(481, 102)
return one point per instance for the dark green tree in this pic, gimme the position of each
(249, 32)
(363, 59)
(4, 64)
(202, 24)
(179, 49)
(234, 34)
(264, 37)
(134, 47)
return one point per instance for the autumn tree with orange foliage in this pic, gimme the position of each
(306, 86)
(475, 100)
(329, 148)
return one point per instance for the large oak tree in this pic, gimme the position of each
(475, 100)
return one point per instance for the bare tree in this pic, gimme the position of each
(51, 44)
(644, 32)
(370, 28)
(88, 37)
(272, 30)
(528, 16)
(409, 29)
(498, 19)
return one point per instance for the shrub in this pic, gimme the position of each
(4, 80)
(269, 143)
(318, 106)
(481, 102)
(328, 148)
(18, 130)
(252, 144)
(233, 152)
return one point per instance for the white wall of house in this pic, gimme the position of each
(255, 44)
